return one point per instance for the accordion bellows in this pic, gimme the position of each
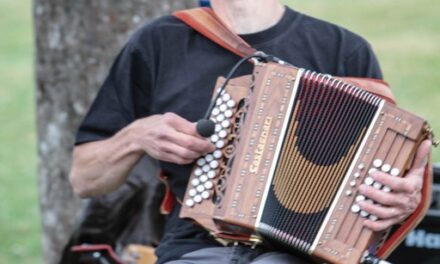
(293, 146)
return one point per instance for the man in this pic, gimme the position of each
(161, 83)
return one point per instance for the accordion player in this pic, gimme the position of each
(292, 148)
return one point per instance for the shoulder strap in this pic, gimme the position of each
(207, 23)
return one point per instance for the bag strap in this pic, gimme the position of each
(207, 23)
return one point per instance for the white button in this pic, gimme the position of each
(200, 188)
(217, 154)
(377, 163)
(218, 127)
(369, 181)
(215, 111)
(200, 162)
(361, 166)
(214, 164)
(198, 172)
(231, 103)
(189, 203)
(357, 175)
(220, 144)
(205, 195)
(211, 174)
(195, 182)
(220, 117)
(206, 168)
(223, 108)
(226, 123)
(348, 193)
(226, 97)
(192, 192)
(219, 101)
(386, 167)
(360, 198)
(373, 218)
(377, 185)
(208, 185)
(355, 208)
(353, 183)
(222, 134)
(209, 158)
(228, 113)
(386, 189)
(203, 178)
(395, 172)
(364, 214)
(197, 199)
(372, 170)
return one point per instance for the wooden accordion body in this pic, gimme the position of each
(293, 146)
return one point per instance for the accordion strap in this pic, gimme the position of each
(207, 23)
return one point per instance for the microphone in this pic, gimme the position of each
(205, 127)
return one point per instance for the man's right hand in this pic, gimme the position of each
(170, 138)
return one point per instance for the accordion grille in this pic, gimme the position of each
(325, 130)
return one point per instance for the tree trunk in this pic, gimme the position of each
(76, 42)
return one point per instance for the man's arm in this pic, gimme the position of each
(102, 166)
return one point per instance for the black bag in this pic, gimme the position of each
(129, 215)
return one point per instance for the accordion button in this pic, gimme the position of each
(220, 117)
(203, 178)
(377, 185)
(209, 158)
(200, 162)
(222, 134)
(192, 192)
(226, 123)
(205, 195)
(377, 163)
(214, 164)
(206, 168)
(195, 182)
(357, 175)
(355, 208)
(218, 127)
(215, 111)
(211, 174)
(208, 185)
(226, 97)
(360, 198)
(197, 199)
(228, 113)
(220, 144)
(370, 171)
(189, 202)
(364, 214)
(395, 172)
(219, 101)
(348, 193)
(386, 189)
(386, 168)
(353, 183)
(230, 103)
(198, 172)
(223, 108)
(361, 166)
(373, 218)
(369, 181)
(217, 154)
(200, 188)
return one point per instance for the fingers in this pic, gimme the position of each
(412, 182)
(181, 124)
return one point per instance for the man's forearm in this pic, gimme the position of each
(102, 166)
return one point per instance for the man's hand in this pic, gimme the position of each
(170, 138)
(395, 206)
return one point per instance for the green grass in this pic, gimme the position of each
(19, 213)
(404, 34)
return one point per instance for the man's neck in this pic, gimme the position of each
(248, 16)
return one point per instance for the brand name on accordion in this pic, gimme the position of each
(258, 153)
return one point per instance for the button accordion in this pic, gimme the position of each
(292, 148)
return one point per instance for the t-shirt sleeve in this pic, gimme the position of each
(362, 62)
(122, 98)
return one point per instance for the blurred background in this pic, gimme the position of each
(405, 35)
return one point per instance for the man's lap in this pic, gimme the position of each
(236, 255)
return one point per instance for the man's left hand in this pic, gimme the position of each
(395, 206)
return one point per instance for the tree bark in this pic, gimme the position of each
(76, 42)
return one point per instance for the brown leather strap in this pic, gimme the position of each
(207, 23)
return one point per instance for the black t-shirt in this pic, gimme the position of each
(168, 67)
